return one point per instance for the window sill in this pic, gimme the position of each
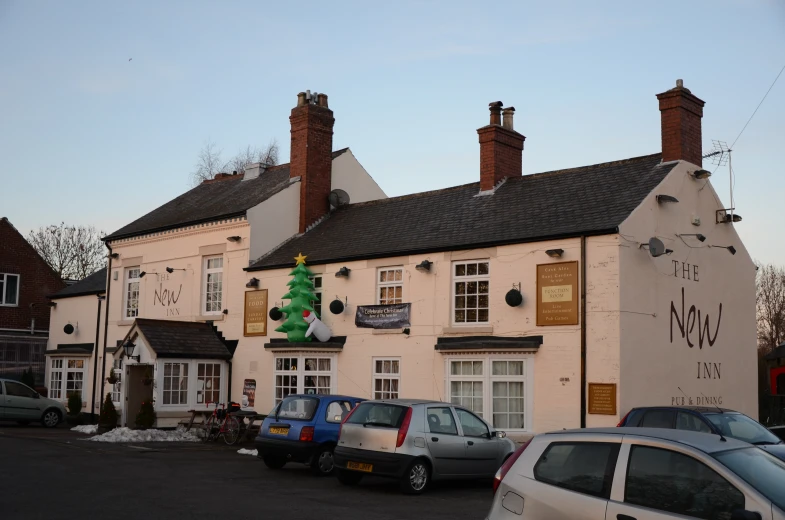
(387, 331)
(211, 317)
(8, 305)
(471, 329)
(125, 323)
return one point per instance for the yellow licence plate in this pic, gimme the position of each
(278, 430)
(359, 466)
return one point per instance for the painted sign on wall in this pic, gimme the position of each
(167, 295)
(255, 314)
(557, 294)
(602, 398)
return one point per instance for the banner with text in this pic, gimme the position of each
(394, 316)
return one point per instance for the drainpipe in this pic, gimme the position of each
(95, 352)
(106, 319)
(583, 331)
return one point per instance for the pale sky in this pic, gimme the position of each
(89, 137)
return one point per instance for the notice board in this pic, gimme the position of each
(557, 294)
(602, 398)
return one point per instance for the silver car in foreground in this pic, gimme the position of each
(638, 474)
(24, 405)
(415, 441)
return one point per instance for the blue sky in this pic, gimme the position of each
(89, 137)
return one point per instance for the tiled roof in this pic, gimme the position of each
(93, 284)
(183, 339)
(586, 200)
(211, 201)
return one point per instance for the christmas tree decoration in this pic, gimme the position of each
(315, 326)
(300, 296)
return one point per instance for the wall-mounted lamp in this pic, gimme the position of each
(700, 174)
(101, 297)
(725, 217)
(235, 238)
(337, 306)
(52, 304)
(115, 256)
(253, 282)
(170, 270)
(666, 198)
(343, 271)
(128, 348)
(729, 248)
(700, 237)
(424, 266)
(225, 311)
(554, 253)
(656, 247)
(142, 274)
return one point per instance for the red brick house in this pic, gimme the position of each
(25, 282)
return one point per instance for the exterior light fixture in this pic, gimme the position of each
(115, 255)
(225, 311)
(699, 236)
(555, 253)
(424, 266)
(666, 198)
(729, 248)
(128, 348)
(141, 274)
(701, 174)
(52, 304)
(235, 238)
(253, 282)
(343, 272)
(726, 216)
(170, 270)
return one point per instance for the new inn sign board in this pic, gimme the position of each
(557, 294)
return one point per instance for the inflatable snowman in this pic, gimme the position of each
(316, 327)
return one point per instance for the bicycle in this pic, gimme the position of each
(221, 423)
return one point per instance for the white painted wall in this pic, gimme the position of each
(654, 369)
(275, 220)
(349, 175)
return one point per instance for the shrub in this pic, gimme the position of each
(108, 417)
(146, 416)
(74, 404)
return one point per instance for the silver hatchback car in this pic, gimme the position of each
(415, 441)
(24, 405)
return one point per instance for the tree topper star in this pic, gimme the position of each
(300, 258)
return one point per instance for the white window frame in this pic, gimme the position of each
(389, 284)
(127, 281)
(487, 378)
(317, 304)
(188, 387)
(205, 273)
(301, 373)
(455, 279)
(117, 388)
(385, 376)
(4, 279)
(59, 365)
(201, 381)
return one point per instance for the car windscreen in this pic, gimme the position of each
(378, 414)
(759, 469)
(298, 408)
(739, 426)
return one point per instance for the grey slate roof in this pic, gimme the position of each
(93, 284)
(211, 201)
(183, 339)
(586, 200)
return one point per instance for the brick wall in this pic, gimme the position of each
(37, 280)
(501, 153)
(681, 114)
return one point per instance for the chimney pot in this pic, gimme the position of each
(496, 111)
(679, 83)
(301, 101)
(507, 114)
(322, 99)
(501, 148)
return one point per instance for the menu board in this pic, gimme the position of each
(557, 294)
(255, 321)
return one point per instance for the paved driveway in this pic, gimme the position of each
(55, 474)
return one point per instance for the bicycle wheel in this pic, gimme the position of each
(211, 429)
(231, 430)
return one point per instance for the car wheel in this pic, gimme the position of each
(274, 462)
(50, 419)
(22, 423)
(415, 479)
(348, 478)
(323, 463)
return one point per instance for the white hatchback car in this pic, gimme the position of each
(638, 474)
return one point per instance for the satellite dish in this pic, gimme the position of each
(338, 198)
(68, 329)
(657, 248)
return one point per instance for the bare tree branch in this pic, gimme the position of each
(209, 162)
(73, 252)
(770, 296)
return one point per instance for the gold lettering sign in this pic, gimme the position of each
(602, 398)
(557, 294)
(255, 319)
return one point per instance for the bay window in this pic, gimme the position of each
(66, 377)
(208, 383)
(175, 383)
(303, 374)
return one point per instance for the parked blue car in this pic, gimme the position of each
(304, 428)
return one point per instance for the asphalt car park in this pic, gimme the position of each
(55, 473)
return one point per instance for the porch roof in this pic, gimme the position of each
(183, 339)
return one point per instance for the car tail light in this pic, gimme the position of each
(346, 419)
(497, 480)
(306, 434)
(623, 419)
(404, 429)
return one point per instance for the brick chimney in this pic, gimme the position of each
(501, 148)
(311, 155)
(681, 114)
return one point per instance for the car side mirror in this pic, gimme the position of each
(743, 514)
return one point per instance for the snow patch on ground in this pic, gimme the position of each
(85, 428)
(129, 435)
(243, 451)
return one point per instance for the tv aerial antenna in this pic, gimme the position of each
(720, 155)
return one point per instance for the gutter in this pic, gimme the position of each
(95, 351)
(583, 331)
(106, 320)
(152, 231)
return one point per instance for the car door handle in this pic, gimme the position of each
(435, 439)
(470, 443)
(625, 517)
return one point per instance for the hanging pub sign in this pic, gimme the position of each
(255, 313)
(394, 316)
(557, 294)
